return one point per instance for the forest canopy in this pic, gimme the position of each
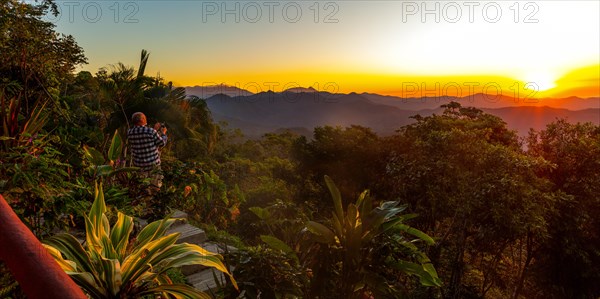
(455, 205)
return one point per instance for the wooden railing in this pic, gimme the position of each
(36, 271)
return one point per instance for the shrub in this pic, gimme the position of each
(112, 267)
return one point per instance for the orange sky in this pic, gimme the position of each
(441, 47)
(582, 82)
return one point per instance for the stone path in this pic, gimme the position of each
(200, 277)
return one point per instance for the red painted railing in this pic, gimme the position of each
(36, 271)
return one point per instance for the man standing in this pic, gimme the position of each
(145, 143)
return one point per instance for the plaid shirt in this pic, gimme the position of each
(144, 143)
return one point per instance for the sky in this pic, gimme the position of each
(407, 48)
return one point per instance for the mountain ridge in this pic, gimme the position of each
(478, 100)
(270, 111)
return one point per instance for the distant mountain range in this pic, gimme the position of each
(205, 92)
(484, 101)
(303, 109)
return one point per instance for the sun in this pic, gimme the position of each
(540, 81)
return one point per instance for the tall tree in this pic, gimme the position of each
(351, 156)
(35, 63)
(474, 190)
(569, 263)
(124, 88)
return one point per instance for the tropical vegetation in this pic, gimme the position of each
(111, 267)
(457, 204)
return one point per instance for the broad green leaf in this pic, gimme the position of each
(111, 270)
(325, 234)
(86, 281)
(425, 277)
(98, 207)
(72, 250)
(352, 218)
(170, 259)
(183, 254)
(190, 254)
(104, 170)
(338, 226)
(93, 242)
(364, 203)
(98, 228)
(415, 232)
(407, 217)
(119, 235)
(336, 196)
(261, 213)
(66, 265)
(435, 280)
(277, 244)
(353, 241)
(94, 156)
(115, 147)
(108, 250)
(153, 231)
(139, 261)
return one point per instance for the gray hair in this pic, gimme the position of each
(137, 118)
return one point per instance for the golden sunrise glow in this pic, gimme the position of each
(540, 81)
(553, 45)
(582, 82)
